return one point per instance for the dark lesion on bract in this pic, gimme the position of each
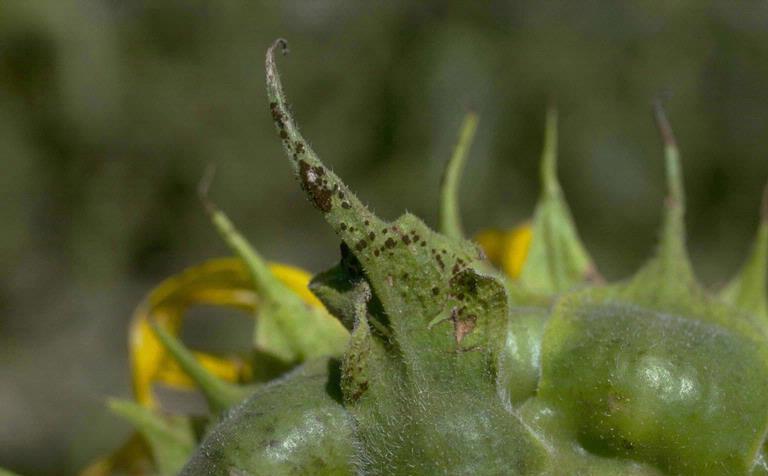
(314, 182)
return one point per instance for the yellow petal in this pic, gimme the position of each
(231, 370)
(507, 249)
(220, 282)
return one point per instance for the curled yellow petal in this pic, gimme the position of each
(220, 282)
(507, 249)
(231, 370)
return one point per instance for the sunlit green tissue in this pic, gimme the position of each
(451, 366)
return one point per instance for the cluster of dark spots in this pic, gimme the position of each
(360, 389)
(283, 134)
(439, 260)
(312, 182)
(406, 240)
(464, 281)
(343, 226)
(277, 116)
(390, 243)
(299, 147)
(351, 229)
(456, 268)
(371, 236)
(367, 223)
(346, 205)
(435, 291)
(383, 231)
(360, 246)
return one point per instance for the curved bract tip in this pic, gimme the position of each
(668, 279)
(676, 195)
(550, 185)
(450, 216)
(324, 189)
(663, 124)
(557, 259)
(204, 185)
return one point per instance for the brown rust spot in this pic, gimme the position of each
(361, 388)
(320, 195)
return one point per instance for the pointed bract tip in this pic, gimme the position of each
(663, 124)
(549, 153)
(675, 197)
(204, 186)
(450, 217)
(551, 105)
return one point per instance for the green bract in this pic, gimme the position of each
(455, 368)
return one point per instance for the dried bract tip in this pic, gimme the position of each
(281, 43)
(204, 186)
(663, 124)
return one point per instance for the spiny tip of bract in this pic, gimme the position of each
(549, 154)
(204, 186)
(663, 124)
(676, 195)
(450, 216)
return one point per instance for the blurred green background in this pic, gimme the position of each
(110, 110)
